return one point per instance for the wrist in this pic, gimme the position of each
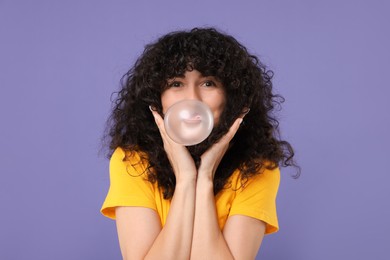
(185, 182)
(205, 175)
(205, 184)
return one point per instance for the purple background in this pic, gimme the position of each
(61, 60)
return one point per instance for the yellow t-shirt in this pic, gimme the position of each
(129, 187)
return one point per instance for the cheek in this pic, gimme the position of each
(217, 105)
(166, 101)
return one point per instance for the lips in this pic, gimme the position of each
(193, 120)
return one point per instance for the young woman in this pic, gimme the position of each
(213, 200)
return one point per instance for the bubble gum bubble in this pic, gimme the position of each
(188, 122)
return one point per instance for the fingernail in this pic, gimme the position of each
(246, 112)
(151, 109)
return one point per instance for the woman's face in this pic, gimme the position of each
(196, 87)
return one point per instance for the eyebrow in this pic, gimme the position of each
(175, 77)
(202, 76)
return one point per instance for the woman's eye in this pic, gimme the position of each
(209, 83)
(175, 84)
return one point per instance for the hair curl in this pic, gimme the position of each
(247, 84)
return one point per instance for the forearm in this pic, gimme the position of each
(208, 241)
(175, 239)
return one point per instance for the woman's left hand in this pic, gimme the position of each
(213, 156)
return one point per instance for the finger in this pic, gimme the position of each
(157, 117)
(244, 112)
(161, 127)
(159, 122)
(232, 131)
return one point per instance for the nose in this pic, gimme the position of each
(193, 93)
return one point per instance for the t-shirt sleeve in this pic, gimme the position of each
(128, 185)
(257, 199)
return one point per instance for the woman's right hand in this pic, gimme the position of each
(181, 161)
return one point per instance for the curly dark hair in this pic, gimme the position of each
(247, 84)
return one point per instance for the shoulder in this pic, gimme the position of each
(129, 185)
(266, 178)
(129, 168)
(131, 161)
